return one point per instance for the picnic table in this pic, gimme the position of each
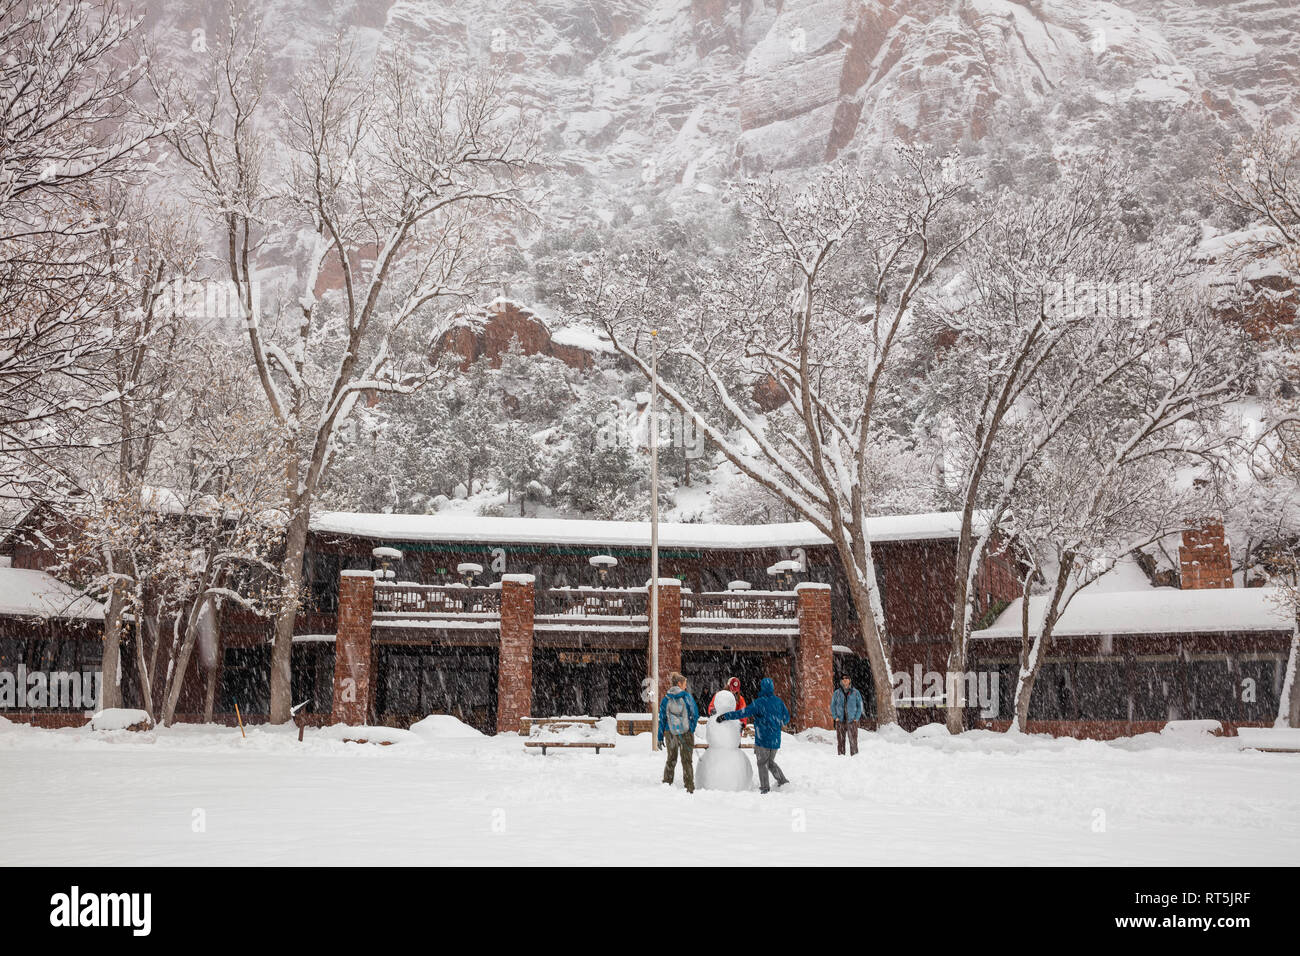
(526, 724)
(581, 744)
(1273, 740)
(578, 733)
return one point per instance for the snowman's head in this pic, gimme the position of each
(724, 703)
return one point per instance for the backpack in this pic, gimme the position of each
(679, 715)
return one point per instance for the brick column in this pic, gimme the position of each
(515, 666)
(670, 633)
(814, 665)
(352, 649)
(1204, 560)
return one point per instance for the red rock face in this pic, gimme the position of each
(491, 332)
(768, 394)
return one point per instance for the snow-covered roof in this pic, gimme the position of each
(28, 593)
(1155, 611)
(564, 531)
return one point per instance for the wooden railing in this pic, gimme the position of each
(594, 602)
(740, 606)
(436, 599)
(719, 606)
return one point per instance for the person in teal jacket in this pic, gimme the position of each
(847, 711)
(678, 715)
(769, 714)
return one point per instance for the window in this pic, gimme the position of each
(1262, 679)
(313, 676)
(246, 680)
(1156, 694)
(1102, 689)
(1053, 697)
(1212, 689)
(79, 658)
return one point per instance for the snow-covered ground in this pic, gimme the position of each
(435, 797)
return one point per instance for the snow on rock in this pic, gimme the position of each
(443, 727)
(120, 718)
(931, 730)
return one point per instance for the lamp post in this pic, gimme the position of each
(386, 556)
(602, 563)
(654, 530)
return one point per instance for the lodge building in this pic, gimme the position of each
(495, 619)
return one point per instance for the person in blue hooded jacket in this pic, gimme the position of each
(769, 715)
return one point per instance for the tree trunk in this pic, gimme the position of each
(282, 646)
(1034, 650)
(110, 691)
(961, 608)
(1288, 711)
(181, 662)
(881, 678)
(210, 691)
(1024, 691)
(142, 667)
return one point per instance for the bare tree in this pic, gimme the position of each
(818, 303)
(1261, 180)
(64, 132)
(390, 183)
(1059, 306)
(1119, 476)
(171, 537)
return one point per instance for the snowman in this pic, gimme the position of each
(724, 766)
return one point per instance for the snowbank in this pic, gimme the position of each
(443, 727)
(366, 733)
(1192, 728)
(120, 718)
(976, 798)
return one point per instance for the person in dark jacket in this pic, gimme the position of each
(847, 711)
(769, 715)
(678, 715)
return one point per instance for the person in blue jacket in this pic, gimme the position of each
(769, 715)
(847, 711)
(678, 715)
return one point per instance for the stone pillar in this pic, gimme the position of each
(352, 649)
(670, 634)
(1204, 560)
(814, 665)
(515, 666)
